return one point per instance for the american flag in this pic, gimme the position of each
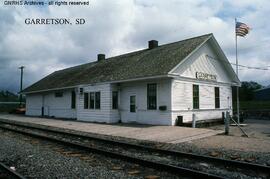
(241, 29)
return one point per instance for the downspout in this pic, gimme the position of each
(119, 101)
(42, 107)
(171, 110)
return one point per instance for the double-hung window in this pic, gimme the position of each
(152, 96)
(196, 100)
(73, 100)
(86, 100)
(97, 100)
(217, 98)
(115, 99)
(92, 100)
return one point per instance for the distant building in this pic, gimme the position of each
(263, 94)
(156, 85)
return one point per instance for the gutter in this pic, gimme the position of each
(89, 84)
(52, 89)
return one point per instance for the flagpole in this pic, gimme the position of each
(237, 88)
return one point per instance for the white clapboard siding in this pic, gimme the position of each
(199, 62)
(182, 90)
(182, 101)
(105, 113)
(33, 104)
(59, 107)
(143, 115)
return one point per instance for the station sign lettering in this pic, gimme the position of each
(206, 76)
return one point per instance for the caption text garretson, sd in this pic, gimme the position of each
(54, 21)
(47, 3)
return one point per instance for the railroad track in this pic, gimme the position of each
(184, 164)
(7, 173)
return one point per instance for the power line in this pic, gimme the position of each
(249, 67)
(244, 66)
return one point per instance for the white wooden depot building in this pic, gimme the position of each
(156, 85)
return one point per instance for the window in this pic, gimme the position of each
(73, 100)
(132, 101)
(152, 96)
(196, 101)
(92, 100)
(115, 99)
(217, 99)
(97, 100)
(58, 94)
(86, 100)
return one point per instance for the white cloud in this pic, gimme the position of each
(115, 27)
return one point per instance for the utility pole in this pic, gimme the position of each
(241, 29)
(237, 88)
(21, 86)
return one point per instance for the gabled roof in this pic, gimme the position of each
(140, 64)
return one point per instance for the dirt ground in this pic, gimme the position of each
(254, 128)
(258, 140)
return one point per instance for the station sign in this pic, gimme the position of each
(206, 76)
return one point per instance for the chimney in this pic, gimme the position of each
(100, 57)
(152, 44)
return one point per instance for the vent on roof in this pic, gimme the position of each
(100, 57)
(152, 44)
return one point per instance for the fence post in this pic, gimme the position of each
(227, 122)
(193, 121)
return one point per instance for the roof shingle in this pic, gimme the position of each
(143, 63)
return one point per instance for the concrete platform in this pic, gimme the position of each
(167, 134)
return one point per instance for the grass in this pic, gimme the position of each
(8, 107)
(254, 105)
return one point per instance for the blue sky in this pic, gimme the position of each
(116, 27)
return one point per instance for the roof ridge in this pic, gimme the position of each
(191, 38)
(161, 45)
(129, 53)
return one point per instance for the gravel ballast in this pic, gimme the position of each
(228, 147)
(38, 159)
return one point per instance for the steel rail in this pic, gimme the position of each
(13, 174)
(239, 164)
(181, 171)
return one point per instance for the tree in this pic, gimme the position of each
(6, 96)
(246, 91)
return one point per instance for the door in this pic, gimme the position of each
(132, 108)
(46, 111)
